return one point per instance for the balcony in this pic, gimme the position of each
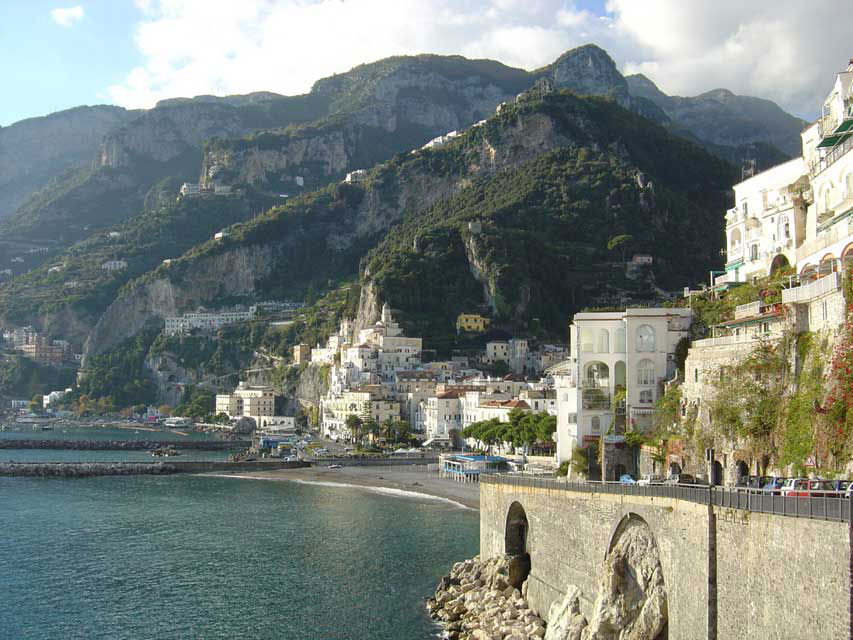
(812, 290)
(836, 232)
(595, 399)
(595, 383)
(736, 339)
(831, 157)
(748, 310)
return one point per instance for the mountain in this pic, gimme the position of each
(549, 178)
(722, 118)
(34, 151)
(347, 121)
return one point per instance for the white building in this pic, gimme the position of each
(798, 213)
(54, 396)
(114, 265)
(206, 320)
(248, 401)
(615, 374)
(190, 189)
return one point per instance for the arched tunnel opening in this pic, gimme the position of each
(516, 545)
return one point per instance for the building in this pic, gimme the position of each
(221, 235)
(471, 323)
(443, 419)
(207, 320)
(247, 401)
(190, 189)
(798, 214)
(359, 175)
(114, 265)
(301, 354)
(53, 397)
(616, 372)
(369, 403)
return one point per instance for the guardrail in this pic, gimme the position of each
(834, 507)
(806, 292)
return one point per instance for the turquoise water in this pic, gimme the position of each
(205, 557)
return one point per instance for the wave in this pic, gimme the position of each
(388, 491)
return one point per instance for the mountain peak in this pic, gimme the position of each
(588, 69)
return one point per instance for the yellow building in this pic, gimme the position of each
(471, 323)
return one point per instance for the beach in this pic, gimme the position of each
(391, 479)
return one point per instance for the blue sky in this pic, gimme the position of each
(46, 67)
(135, 52)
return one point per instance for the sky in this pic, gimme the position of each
(132, 53)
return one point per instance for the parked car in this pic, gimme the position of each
(841, 485)
(627, 478)
(804, 488)
(774, 486)
(335, 466)
(650, 479)
(680, 478)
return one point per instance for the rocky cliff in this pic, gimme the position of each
(283, 247)
(723, 118)
(34, 151)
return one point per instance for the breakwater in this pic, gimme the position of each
(89, 469)
(121, 445)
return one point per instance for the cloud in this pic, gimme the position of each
(784, 50)
(67, 16)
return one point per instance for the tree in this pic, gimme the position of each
(620, 242)
(500, 368)
(165, 410)
(37, 403)
(373, 429)
(354, 425)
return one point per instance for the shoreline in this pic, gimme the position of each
(401, 481)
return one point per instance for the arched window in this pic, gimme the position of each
(587, 344)
(645, 338)
(647, 396)
(646, 372)
(735, 241)
(595, 423)
(619, 374)
(620, 340)
(603, 341)
(597, 374)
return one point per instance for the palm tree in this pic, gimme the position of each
(354, 424)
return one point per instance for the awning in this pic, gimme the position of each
(845, 126)
(833, 140)
(829, 141)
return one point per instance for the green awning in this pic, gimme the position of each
(844, 127)
(829, 141)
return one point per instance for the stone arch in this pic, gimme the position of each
(516, 544)
(847, 257)
(779, 262)
(741, 469)
(674, 468)
(827, 265)
(716, 473)
(517, 529)
(632, 594)
(808, 272)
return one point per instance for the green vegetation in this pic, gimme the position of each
(143, 242)
(524, 429)
(118, 376)
(21, 377)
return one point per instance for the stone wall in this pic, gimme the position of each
(776, 577)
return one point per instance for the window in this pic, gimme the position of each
(595, 423)
(572, 418)
(753, 251)
(603, 341)
(646, 372)
(647, 396)
(586, 341)
(645, 338)
(620, 338)
(745, 207)
(695, 375)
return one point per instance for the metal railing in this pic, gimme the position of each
(806, 292)
(835, 507)
(747, 310)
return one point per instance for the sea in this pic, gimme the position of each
(203, 557)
